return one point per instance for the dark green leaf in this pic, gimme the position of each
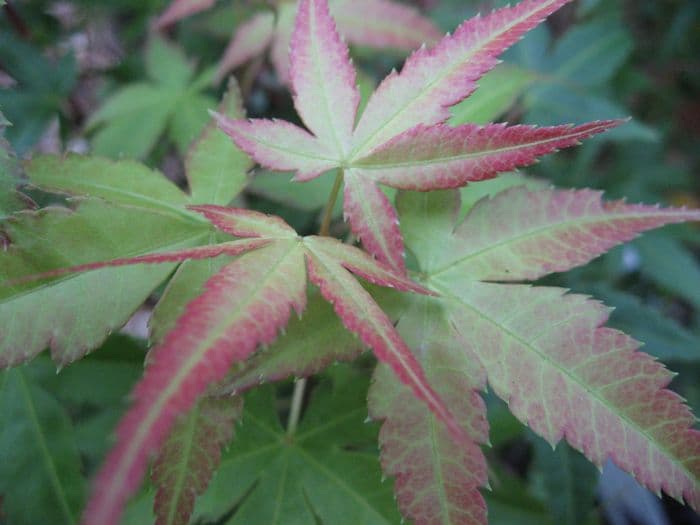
(40, 471)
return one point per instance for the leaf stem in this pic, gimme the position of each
(297, 400)
(324, 231)
(300, 384)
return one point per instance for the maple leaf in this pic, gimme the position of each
(171, 100)
(113, 196)
(400, 139)
(189, 457)
(542, 350)
(223, 326)
(326, 472)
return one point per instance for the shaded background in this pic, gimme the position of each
(72, 76)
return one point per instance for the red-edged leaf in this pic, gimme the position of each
(202, 252)
(309, 344)
(441, 157)
(382, 23)
(360, 263)
(374, 220)
(432, 80)
(250, 40)
(326, 98)
(545, 352)
(179, 9)
(566, 376)
(546, 231)
(323, 79)
(279, 145)
(243, 305)
(437, 480)
(245, 223)
(188, 458)
(361, 315)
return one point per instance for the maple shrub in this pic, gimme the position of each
(459, 316)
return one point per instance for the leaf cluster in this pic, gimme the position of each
(446, 290)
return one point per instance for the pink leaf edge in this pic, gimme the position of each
(202, 252)
(218, 328)
(443, 157)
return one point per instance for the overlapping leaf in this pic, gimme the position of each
(436, 480)
(543, 351)
(399, 140)
(95, 230)
(189, 457)
(242, 306)
(326, 472)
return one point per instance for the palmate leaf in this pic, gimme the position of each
(132, 120)
(436, 481)
(58, 237)
(102, 227)
(242, 306)
(400, 139)
(326, 472)
(545, 352)
(223, 325)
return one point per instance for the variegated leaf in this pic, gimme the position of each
(543, 351)
(281, 146)
(55, 238)
(400, 140)
(442, 157)
(246, 223)
(434, 79)
(545, 231)
(361, 315)
(362, 264)
(243, 305)
(374, 220)
(373, 23)
(323, 79)
(437, 480)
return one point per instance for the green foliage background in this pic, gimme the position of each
(93, 80)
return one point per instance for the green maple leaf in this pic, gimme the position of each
(326, 472)
(172, 101)
(42, 87)
(110, 198)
